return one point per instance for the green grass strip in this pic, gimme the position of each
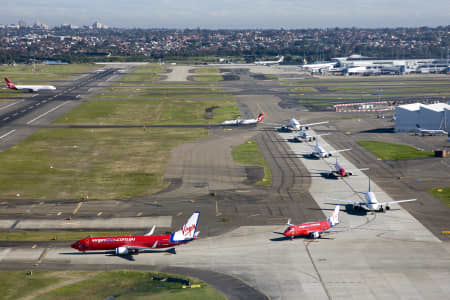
(39, 236)
(442, 194)
(388, 151)
(250, 154)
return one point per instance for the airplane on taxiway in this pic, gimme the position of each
(371, 203)
(320, 152)
(339, 170)
(28, 88)
(269, 62)
(239, 122)
(314, 229)
(294, 125)
(126, 245)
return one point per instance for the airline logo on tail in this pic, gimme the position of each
(260, 117)
(10, 84)
(334, 218)
(188, 231)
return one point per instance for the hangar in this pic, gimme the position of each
(432, 116)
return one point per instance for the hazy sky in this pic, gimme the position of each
(230, 13)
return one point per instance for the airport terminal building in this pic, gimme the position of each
(432, 116)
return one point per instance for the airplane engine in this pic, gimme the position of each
(388, 207)
(314, 235)
(306, 127)
(122, 251)
(349, 173)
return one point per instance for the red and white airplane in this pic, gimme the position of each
(238, 122)
(295, 125)
(28, 88)
(126, 245)
(315, 229)
(339, 170)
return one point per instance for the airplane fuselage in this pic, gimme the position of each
(306, 229)
(34, 88)
(111, 243)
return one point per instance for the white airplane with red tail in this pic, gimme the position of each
(239, 122)
(28, 88)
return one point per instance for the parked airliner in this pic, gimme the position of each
(125, 245)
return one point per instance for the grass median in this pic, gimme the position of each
(442, 194)
(41, 236)
(389, 151)
(250, 154)
(119, 284)
(206, 70)
(208, 78)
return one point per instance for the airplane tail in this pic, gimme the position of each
(9, 83)
(281, 59)
(260, 117)
(188, 231)
(334, 218)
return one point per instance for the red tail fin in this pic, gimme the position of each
(260, 117)
(9, 83)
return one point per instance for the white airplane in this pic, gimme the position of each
(320, 152)
(371, 203)
(28, 88)
(339, 170)
(303, 135)
(429, 131)
(269, 62)
(294, 125)
(239, 122)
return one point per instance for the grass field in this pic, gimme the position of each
(101, 163)
(303, 89)
(206, 70)
(208, 78)
(442, 194)
(168, 84)
(132, 112)
(150, 77)
(164, 90)
(270, 76)
(388, 151)
(250, 154)
(105, 163)
(39, 236)
(150, 68)
(23, 74)
(102, 285)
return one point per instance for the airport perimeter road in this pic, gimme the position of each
(19, 119)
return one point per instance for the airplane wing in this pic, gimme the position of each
(311, 124)
(398, 201)
(342, 150)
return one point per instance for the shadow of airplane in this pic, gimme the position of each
(126, 256)
(285, 238)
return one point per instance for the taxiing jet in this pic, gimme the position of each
(294, 125)
(28, 88)
(429, 131)
(303, 135)
(126, 245)
(371, 203)
(320, 152)
(238, 122)
(338, 170)
(269, 62)
(315, 229)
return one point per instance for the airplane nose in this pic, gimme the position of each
(75, 245)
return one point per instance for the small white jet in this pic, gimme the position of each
(295, 125)
(303, 135)
(371, 203)
(320, 152)
(429, 131)
(28, 88)
(239, 122)
(269, 62)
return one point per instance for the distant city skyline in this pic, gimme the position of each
(230, 14)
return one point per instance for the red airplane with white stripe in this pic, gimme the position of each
(125, 245)
(315, 229)
(339, 170)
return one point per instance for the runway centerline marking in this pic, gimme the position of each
(9, 105)
(8, 133)
(46, 113)
(77, 208)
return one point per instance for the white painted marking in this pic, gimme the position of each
(6, 106)
(6, 134)
(46, 113)
(5, 118)
(4, 253)
(45, 101)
